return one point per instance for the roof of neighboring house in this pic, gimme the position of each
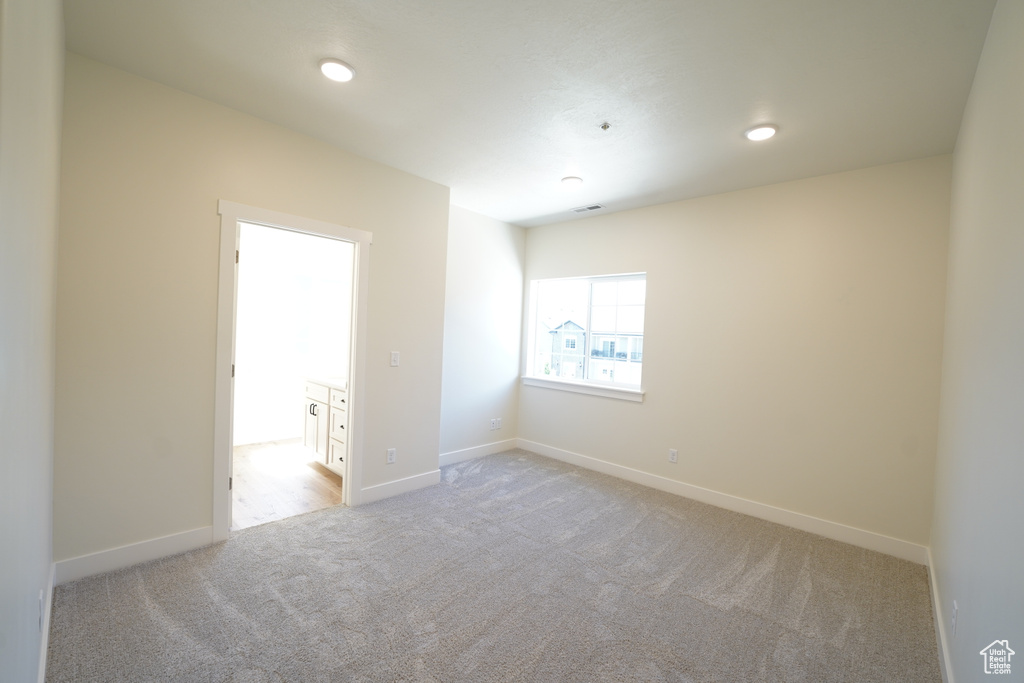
(567, 327)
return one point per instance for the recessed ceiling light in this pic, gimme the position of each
(337, 70)
(759, 133)
(571, 181)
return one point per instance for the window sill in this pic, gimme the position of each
(622, 394)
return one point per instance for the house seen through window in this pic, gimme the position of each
(588, 329)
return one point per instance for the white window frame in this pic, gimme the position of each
(591, 387)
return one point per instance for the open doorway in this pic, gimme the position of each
(293, 330)
(289, 372)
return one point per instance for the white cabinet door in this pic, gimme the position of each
(309, 436)
(322, 430)
(317, 428)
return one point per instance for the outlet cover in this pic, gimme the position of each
(391, 456)
(673, 455)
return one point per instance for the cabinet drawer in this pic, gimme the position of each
(317, 392)
(338, 399)
(336, 452)
(338, 428)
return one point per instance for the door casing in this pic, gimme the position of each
(231, 214)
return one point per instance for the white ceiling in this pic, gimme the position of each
(500, 100)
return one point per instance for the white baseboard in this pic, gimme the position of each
(154, 549)
(453, 457)
(394, 488)
(945, 664)
(839, 532)
(127, 555)
(44, 641)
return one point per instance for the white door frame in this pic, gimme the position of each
(223, 428)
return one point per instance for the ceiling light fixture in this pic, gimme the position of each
(571, 182)
(337, 70)
(759, 133)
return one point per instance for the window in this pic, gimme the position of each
(588, 330)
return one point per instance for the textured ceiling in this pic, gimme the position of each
(500, 100)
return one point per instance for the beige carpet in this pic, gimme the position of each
(515, 568)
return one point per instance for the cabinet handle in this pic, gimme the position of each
(312, 409)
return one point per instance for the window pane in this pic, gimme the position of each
(603, 346)
(562, 300)
(627, 373)
(622, 348)
(560, 323)
(630, 319)
(605, 293)
(636, 349)
(632, 292)
(602, 319)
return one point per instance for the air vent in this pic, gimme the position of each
(585, 209)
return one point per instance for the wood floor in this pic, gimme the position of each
(277, 480)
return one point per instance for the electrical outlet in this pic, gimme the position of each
(391, 456)
(394, 359)
(955, 610)
(494, 423)
(673, 455)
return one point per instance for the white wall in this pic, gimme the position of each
(142, 170)
(792, 343)
(31, 67)
(978, 535)
(482, 317)
(293, 322)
